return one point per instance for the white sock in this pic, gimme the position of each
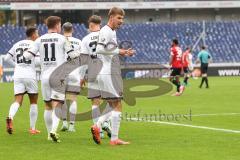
(64, 111)
(115, 119)
(48, 120)
(95, 113)
(33, 114)
(56, 119)
(73, 112)
(65, 123)
(13, 109)
(107, 112)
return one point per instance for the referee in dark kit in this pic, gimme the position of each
(204, 58)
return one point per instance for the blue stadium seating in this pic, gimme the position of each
(152, 40)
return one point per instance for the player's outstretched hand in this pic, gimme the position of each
(131, 52)
(127, 52)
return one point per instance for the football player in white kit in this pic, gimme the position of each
(109, 77)
(89, 44)
(73, 81)
(52, 47)
(25, 80)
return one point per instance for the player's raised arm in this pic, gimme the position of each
(104, 46)
(112, 49)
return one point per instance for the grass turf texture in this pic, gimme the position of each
(148, 140)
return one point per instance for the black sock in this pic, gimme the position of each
(203, 79)
(176, 83)
(185, 80)
(206, 81)
(178, 87)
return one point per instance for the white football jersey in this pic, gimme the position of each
(89, 43)
(23, 68)
(76, 44)
(52, 48)
(111, 62)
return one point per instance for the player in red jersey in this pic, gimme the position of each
(187, 64)
(176, 66)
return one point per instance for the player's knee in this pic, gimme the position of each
(33, 99)
(96, 101)
(48, 106)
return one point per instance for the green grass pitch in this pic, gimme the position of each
(215, 110)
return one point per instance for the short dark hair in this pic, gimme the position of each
(52, 21)
(203, 47)
(30, 31)
(175, 41)
(115, 11)
(67, 27)
(95, 19)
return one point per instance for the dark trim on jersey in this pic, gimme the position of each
(47, 101)
(32, 93)
(32, 53)
(70, 51)
(61, 101)
(113, 98)
(10, 54)
(102, 44)
(18, 94)
(94, 97)
(110, 27)
(72, 92)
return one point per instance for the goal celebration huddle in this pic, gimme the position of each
(64, 60)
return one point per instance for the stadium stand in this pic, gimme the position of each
(152, 40)
(94, 0)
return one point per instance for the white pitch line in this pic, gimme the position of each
(191, 126)
(214, 114)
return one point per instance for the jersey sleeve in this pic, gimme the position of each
(103, 40)
(103, 37)
(34, 48)
(12, 52)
